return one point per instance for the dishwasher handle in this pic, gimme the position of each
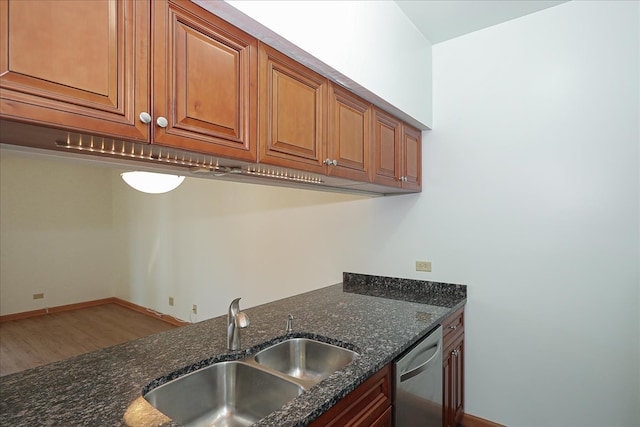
(412, 373)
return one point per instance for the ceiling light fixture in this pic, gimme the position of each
(151, 182)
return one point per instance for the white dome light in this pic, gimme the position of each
(151, 182)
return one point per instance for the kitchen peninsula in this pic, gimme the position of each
(378, 316)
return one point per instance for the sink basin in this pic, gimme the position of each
(304, 359)
(226, 394)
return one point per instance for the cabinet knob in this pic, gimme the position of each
(145, 117)
(334, 162)
(454, 327)
(162, 122)
(330, 162)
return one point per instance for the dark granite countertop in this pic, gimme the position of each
(379, 316)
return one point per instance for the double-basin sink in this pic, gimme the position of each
(241, 392)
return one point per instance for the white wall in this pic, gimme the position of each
(360, 39)
(532, 198)
(55, 233)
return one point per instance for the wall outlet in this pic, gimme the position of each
(171, 301)
(423, 265)
(195, 309)
(38, 296)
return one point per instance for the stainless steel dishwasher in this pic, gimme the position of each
(418, 384)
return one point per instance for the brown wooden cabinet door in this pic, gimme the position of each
(411, 158)
(80, 65)
(204, 82)
(447, 390)
(349, 135)
(367, 406)
(292, 113)
(386, 149)
(457, 403)
(453, 369)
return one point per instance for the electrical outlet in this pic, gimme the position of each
(195, 309)
(171, 301)
(38, 296)
(423, 265)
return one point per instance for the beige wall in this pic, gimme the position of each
(55, 233)
(208, 242)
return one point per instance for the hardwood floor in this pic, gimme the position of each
(35, 341)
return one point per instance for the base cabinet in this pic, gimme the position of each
(453, 369)
(368, 405)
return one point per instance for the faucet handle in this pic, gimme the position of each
(289, 324)
(242, 319)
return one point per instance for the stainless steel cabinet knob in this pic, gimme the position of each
(162, 122)
(454, 327)
(330, 162)
(145, 117)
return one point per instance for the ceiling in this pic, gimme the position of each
(441, 20)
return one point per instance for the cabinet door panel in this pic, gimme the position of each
(204, 82)
(411, 158)
(293, 106)
(447, 390)
(458, 381)
(349, 135)
(292, 113)
(387, 149)
(76, 64)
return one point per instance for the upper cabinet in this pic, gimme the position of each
(89, 72)
(411, 158)
(292, 112)
(79, 65)
(172, 74)
(204, 82)
(386, 149)
(348, 145)
(397, 156)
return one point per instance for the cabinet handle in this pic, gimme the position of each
(454, 327)
(330, 162)
(145, 117)
(162, 122)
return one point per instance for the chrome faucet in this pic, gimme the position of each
(236, 320)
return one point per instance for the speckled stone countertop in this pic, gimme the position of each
(103, 388)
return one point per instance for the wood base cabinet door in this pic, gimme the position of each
(453, 372)
(349, 135)
(204, 82)
(386, 146)
(292, 113)
(78, 65)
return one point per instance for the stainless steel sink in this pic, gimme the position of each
(306, 360)
(226, 394)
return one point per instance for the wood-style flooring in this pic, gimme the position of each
(35, 341)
